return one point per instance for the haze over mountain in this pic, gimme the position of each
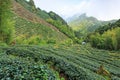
(83, 24)
(101, 9)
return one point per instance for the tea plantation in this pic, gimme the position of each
(57, 63)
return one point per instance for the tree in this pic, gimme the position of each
(6, 22)
(31, 2)
(118, 38)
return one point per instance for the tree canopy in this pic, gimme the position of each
(6, 22)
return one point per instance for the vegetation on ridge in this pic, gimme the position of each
(50, 17)
(106, 37)
(83, 25)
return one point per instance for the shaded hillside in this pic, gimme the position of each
(84, 24)
(57, 21)
(28, 26)
(56, 17)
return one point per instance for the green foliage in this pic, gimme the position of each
(34, 33)
(31, 7)
(42, 14)
(59, 23)
(3, 44)
(28, 5)
(16, 68)
(95, 40)
(36, 40)
(62, 27)
(74, 62)
(51, 18)
(56, 17)
(6, 23)
(68, 42)
(51, 41)
(109, 26)
(108, 40)
(83, 25)
(118, 37)
(31, 3)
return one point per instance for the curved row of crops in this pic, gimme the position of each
(74, 63)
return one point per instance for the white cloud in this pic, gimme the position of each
(101, 9)
(69, 10)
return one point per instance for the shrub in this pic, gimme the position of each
(51, 41)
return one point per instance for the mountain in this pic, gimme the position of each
(84, 24)
(31, 24)
(69, 19)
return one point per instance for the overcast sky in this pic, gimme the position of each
(101, 9)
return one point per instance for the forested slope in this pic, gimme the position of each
(106, 37)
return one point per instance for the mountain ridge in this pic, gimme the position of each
(84, 24)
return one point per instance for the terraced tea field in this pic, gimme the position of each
(77, 62)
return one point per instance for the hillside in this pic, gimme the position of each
(51, 17)
(83, 24)
(29, 26)
(106, 37)
(22, 12)
(57, 21)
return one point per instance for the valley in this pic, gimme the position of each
(40, 45)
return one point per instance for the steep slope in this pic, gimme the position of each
(22, 12)
(28, 25)
(57, 21)
(84, 24)
(51, 17)
(56, 17)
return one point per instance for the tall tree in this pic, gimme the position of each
(31, 2)
(6, 22)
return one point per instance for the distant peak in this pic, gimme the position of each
(83, 15)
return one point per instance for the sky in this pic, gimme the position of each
(101, 9)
